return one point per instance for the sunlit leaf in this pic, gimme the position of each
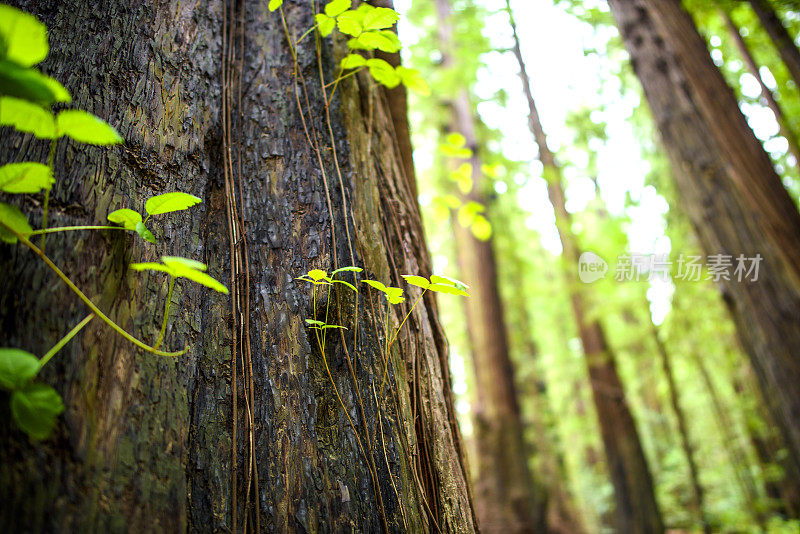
(86, 128)
(335, 8)
(12, 217)
(179, 264)
(481, 228)
(151, 266)
(377, 285)
(274, 4)
(412, 79)
(317, 274)
(379, 18)
(25, 177)
(451, 290)
(351, 22)
(353, 61)
(325, 24)
(373, 41)
(314, 322)
(348, 268)
(383, 72)
(25, 38)
(463, 177)
(415, 280)
(348, 284)
(27, 117)
(35, 409)
(144, 232)
(30, 84)
(17, 368)
(206, 280)
(169, 202)
(325, 327)
(446, 280)
(126, 217)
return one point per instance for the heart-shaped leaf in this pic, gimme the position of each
(35, 409)
(169, 202)
(25, 177)
(17, 368)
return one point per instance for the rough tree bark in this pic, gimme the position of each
(729, 189)
(780, 36)
(636, 506)
(147, 443)
(506, 497)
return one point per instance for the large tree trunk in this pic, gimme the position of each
(244, 432)
(777, 32)
(636, 506)
(735, 200)
(506, 497)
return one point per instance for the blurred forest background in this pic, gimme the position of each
(492, 189)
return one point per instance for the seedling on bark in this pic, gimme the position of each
(26, 97)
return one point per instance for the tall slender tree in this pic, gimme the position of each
(733, 196)
(505, 494)
(215, 99)
(780, 36)
(636, 506)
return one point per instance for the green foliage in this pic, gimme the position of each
(35, 409)
(17, 368)
(177, 267)
(26, 177)
(86, 128)
(11, 218)
(25, 97)
(274, 4)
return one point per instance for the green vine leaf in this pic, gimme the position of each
(274, 4)
(349, 268)
(351, 22)
(446, 280)
(84, 127)
(451, 290)
(317, 274)
(334, 8)
(481, 228)
(394, 295)
(27, 117)
(415, 280)
(325, 24)
(412, 79)
(380, 18)
(178, 267)
(30, 84)
(348, 284)
(325, 327)
(353, 61)
(35, 410)
(377, 285)
(126, 217)
(24, 36)
(17, 368)
(462, 176)
(314, 322)
(25, 177)
(144, 233)
(374, 40)
(383, 72)
(12, 217)
(169, 202)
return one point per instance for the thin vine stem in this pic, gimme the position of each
(64, 340)
(74, 228)
(50, 163)
(166, 313)
(92, 306)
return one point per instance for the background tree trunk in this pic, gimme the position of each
(147, 443)
(636, 506)
(777, 32)
(730, 191)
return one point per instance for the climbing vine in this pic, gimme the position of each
(27, 101)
